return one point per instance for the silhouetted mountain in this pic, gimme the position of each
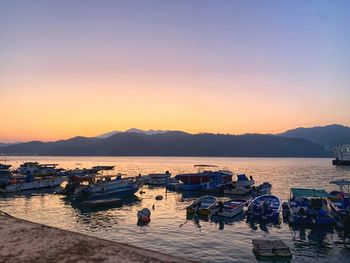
(132, 130)
(173, 143)
(329, 135)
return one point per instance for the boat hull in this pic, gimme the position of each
(231, 208)
(340, 162)
(272, 212)
(118, 193)
(35, 185)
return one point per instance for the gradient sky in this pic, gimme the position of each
(72, 68)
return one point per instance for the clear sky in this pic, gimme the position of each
(87, 67)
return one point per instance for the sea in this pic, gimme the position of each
(170, 230)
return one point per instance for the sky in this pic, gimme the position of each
(86, 67)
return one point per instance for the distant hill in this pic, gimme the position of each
(173, 143)
(327, 136)
(132, 130)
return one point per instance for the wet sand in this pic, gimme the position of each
(24, 241)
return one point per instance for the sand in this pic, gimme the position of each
(24, 241)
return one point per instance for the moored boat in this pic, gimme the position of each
(264, 207)
(339, 201)
(105, 187)
(342, 155)
(243, 180)
(241, 190)
(4, 166)
(308, 206)
(202, 206)
(102, 202)
(19, 185)
(159, 179)
(229, 208)
(262, 189)
(205, 174)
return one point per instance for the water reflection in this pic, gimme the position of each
(170, 231)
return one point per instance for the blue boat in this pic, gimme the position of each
(308, 206)
(339, 201)
(264, 207)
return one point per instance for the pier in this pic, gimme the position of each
(25, 241)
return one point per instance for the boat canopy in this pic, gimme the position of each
(307, 192)
(341, 182)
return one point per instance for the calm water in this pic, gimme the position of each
(169, 230)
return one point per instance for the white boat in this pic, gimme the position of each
(241, 190)
(202, 206)
(37, 169)
(243, 180)
(229, 208)
(342, 155)
(158, 178)
(38, 183)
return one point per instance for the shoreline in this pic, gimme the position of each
(26, 241)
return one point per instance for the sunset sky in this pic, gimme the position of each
(87, 67)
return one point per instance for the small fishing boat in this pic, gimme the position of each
(229, 208)
(264, 207)
(159, 179)
(339, 201)
(38, 169)
(202, 206)
(103, 167)
(205, 174)
(4, 166)
(262, 189)
(308, 206)
(243, 180)
(240, 190)
(105, 187)
(102, 202)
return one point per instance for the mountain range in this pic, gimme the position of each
(300, 142)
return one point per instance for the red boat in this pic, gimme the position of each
(206, 173)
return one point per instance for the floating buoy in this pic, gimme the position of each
(144, 216)
(159, 197)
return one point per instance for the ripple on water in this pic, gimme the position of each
(169, 231)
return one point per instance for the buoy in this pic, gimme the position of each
(144, 216)
(159, 197)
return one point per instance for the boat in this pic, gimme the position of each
(244, 181)
(342, 155)
(158, 179)
(308, 206)
(262, 189)
(241, 190)
(4, 166)
(229, 208)
(205, 174)
(102, 202)
(103, 167)
(243, 186)
(202, 206)
(104, 187)
(29, 183)
(30, 176)
(339, 201)
(264, 207)
(37, 169)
